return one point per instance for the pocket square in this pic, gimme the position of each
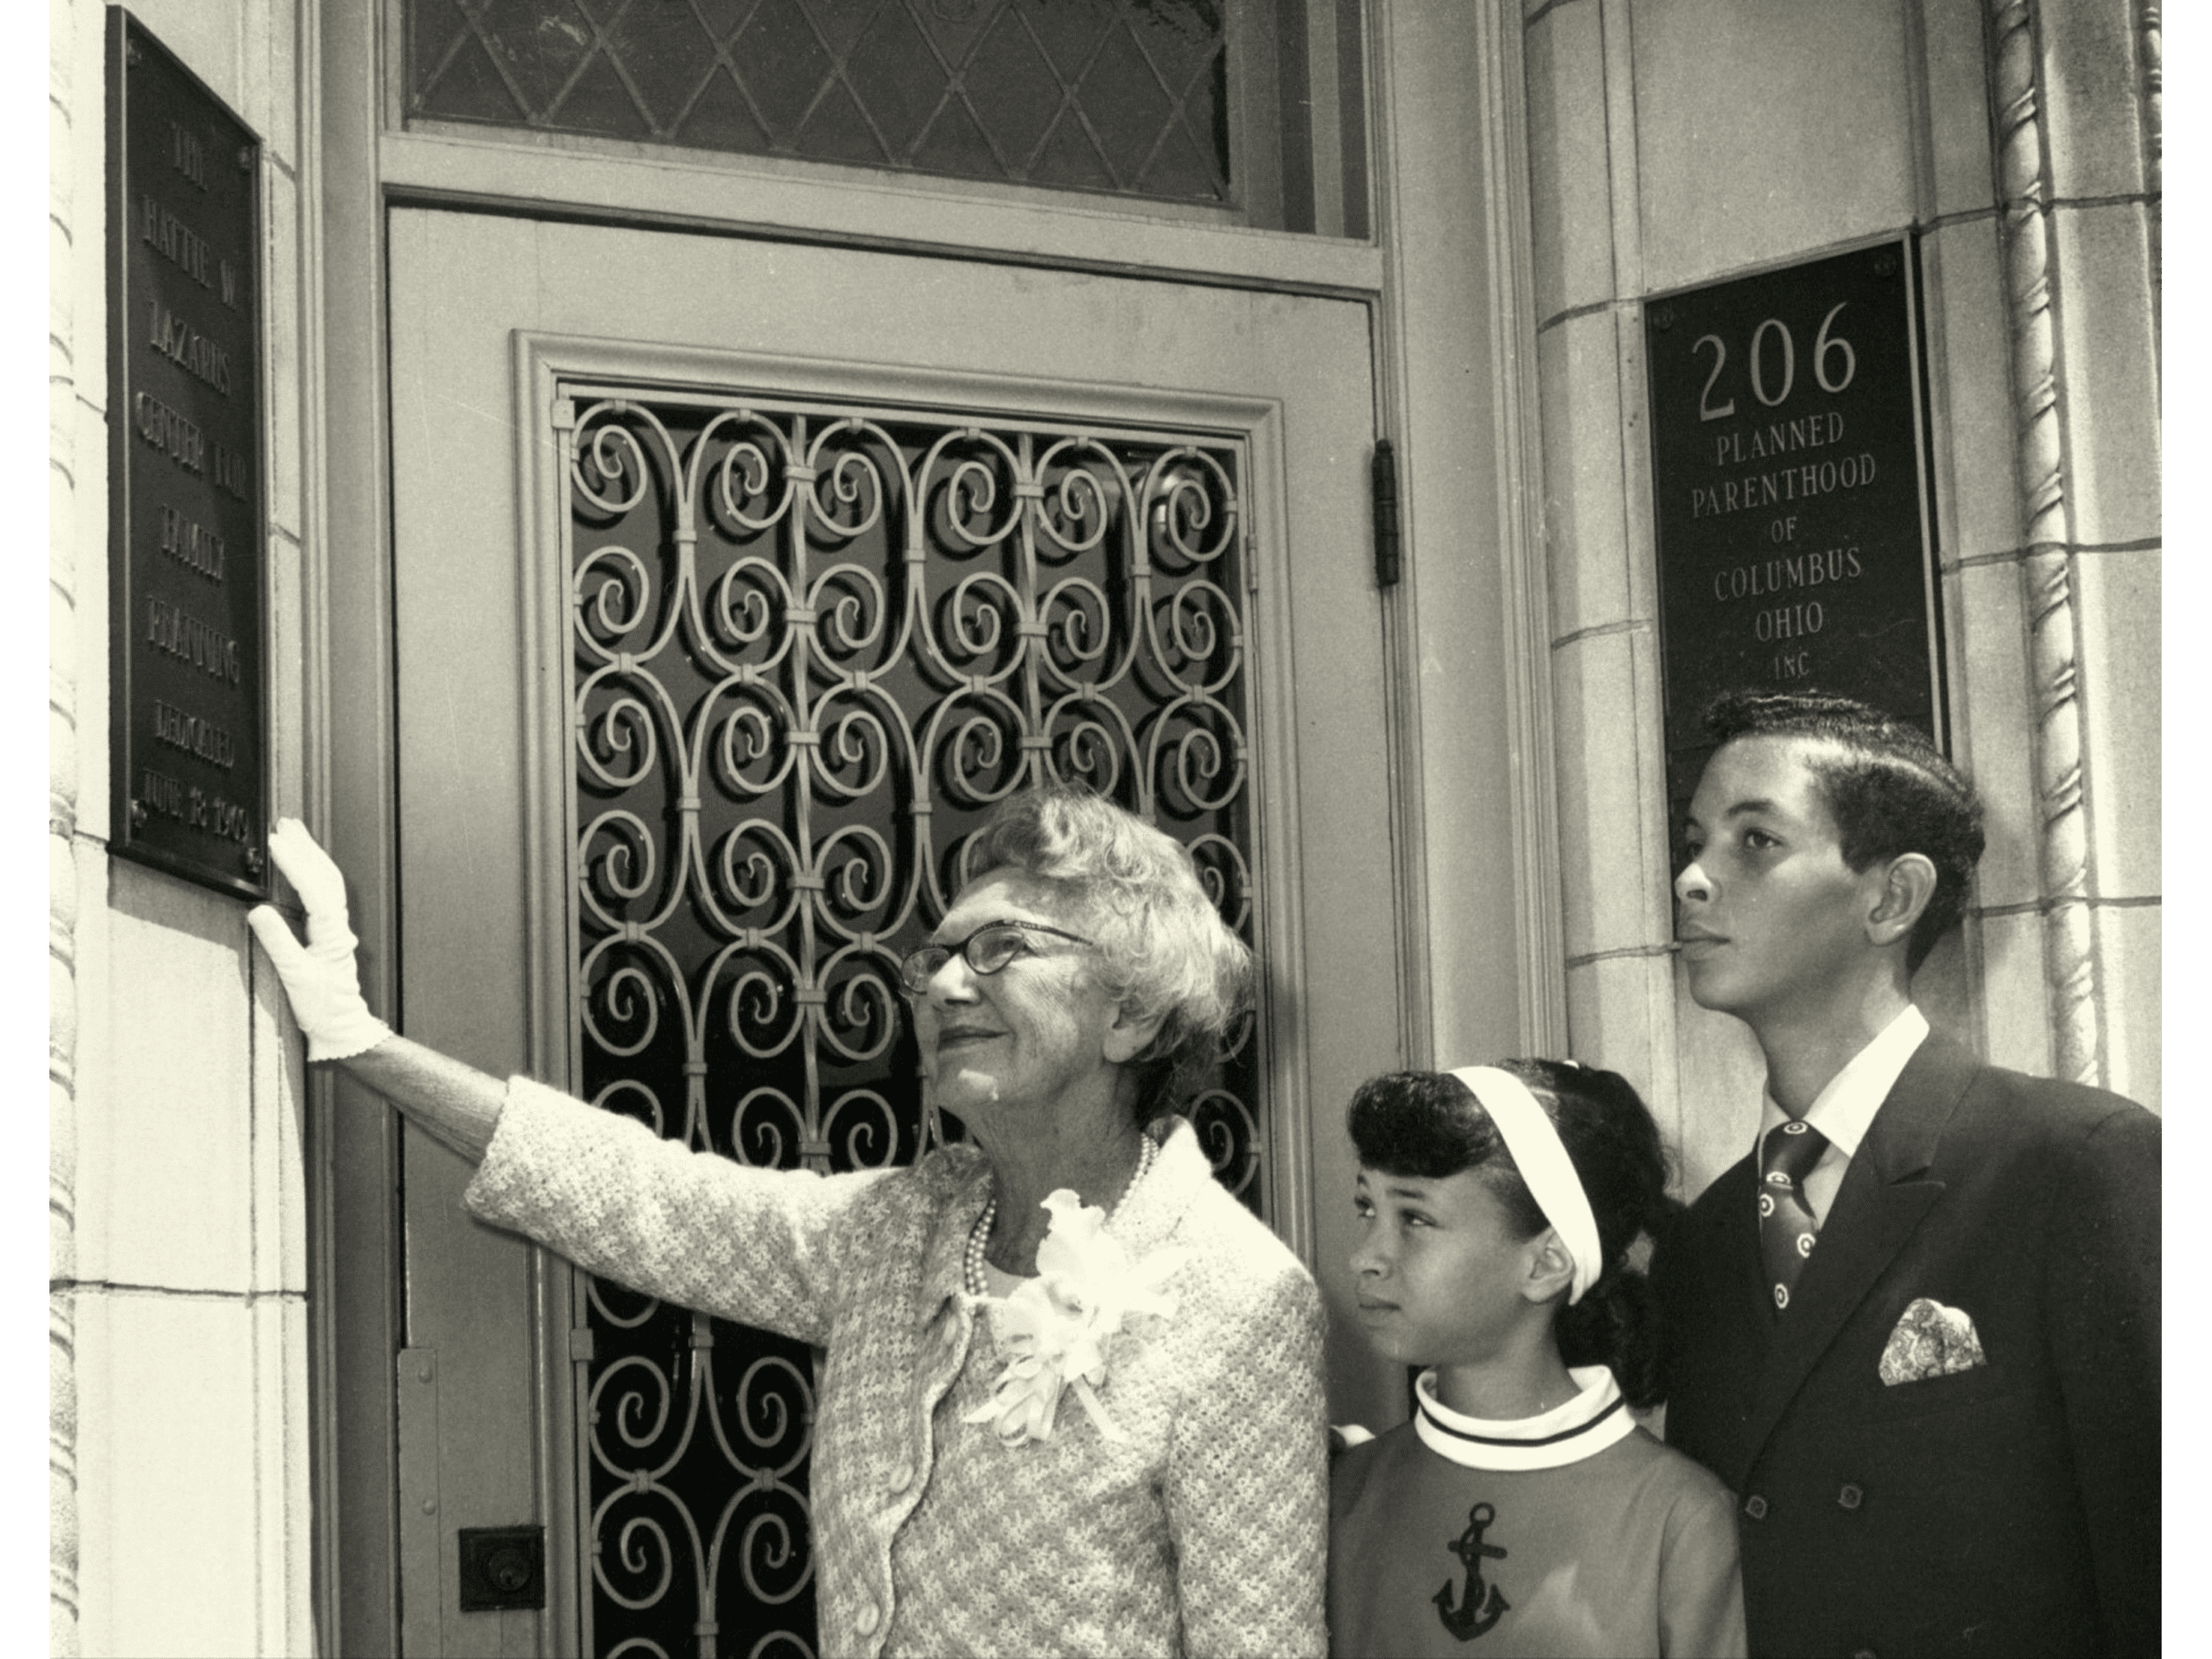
(1930, 1340)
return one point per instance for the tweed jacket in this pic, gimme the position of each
(1203, 1533)
(2008, 1508)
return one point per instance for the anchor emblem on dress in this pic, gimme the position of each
(1482, 1605)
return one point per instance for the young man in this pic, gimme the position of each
(1915, 1329)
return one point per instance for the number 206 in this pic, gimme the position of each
(1829, 350)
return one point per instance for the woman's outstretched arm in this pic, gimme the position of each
(449, 1100)
(454, 1103)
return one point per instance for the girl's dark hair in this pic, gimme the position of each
(1427, 1125)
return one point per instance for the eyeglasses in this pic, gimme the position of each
(989, 949)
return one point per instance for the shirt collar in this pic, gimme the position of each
(1593, 1420)
(1843, 1110)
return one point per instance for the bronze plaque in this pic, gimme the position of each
(189, 739)
(1796, 538)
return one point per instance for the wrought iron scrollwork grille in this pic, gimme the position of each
(811, 647)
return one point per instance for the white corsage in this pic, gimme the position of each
(1056, 1326)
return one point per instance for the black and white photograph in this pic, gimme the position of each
(1128, 828)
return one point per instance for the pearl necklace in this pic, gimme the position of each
(978, 1236)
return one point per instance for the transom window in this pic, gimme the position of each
(1208, 102)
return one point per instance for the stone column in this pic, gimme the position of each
(2075, 88)
(65, 118)
(2045, 572)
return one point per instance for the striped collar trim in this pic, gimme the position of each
(1595, 1418)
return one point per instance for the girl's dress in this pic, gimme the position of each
(1572, 1534)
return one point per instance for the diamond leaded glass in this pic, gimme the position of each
(1127, 96)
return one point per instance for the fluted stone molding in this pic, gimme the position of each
(61, 829)
(2154, 129)
(2046, 571)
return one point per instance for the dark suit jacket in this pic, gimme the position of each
(2008, 1510)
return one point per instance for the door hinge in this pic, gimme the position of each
(1387, 556)
(422, 1528)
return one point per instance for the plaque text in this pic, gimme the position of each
(1795, 542)
(187, 620)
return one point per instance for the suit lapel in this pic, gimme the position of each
(1885, 1194)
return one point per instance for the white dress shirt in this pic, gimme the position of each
(1843, 1109)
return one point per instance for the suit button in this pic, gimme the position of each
(1755, 1506)
(901, 1477)
(1851, 1498)
(867, 1620)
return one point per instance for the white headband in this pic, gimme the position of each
(1536, 1148)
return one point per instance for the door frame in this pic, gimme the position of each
(1452, 333)
(477, 381)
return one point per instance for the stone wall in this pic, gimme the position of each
(1679, 144)
(178, 1364)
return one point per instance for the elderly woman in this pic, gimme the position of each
(1072, 1400)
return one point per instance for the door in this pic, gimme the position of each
(734, 580)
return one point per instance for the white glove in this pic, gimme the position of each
(320, 979)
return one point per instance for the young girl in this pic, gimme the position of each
(1522, 1506)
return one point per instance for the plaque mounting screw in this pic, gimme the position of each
(245, 156)
(1663, 318)
(1885, 266)
(253, 861)
(138, 815)
(130, 54)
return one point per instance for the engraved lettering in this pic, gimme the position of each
(185, 347)
(175, 241)
(195, 736)
(233, 473)
(188, 155)
(1776, 438)
(1791, 484)
(158, 792)
(1759, 362)
(180, 634)
(1764, 578)
(1788, 621)
(169, 432)
(190, 804)
(191, 544)
(229, 273)
(1706, 409)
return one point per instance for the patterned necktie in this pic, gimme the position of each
(1786, 1224)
